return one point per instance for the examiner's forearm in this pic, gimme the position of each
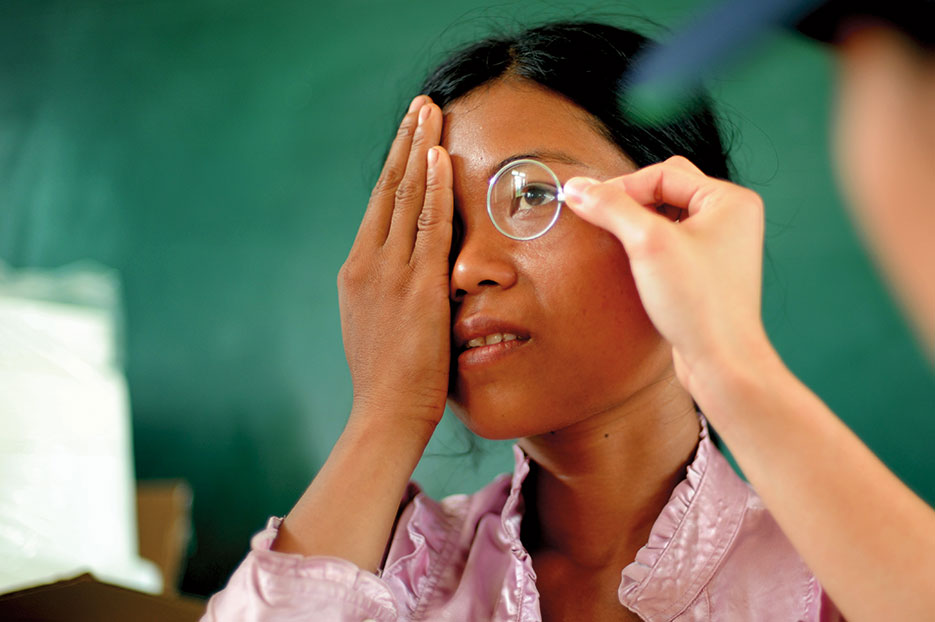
(349, 509)
(867, 537)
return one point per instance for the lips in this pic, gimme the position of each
(479, 332)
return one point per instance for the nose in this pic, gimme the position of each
(483, 261)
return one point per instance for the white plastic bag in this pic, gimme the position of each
(67, 491)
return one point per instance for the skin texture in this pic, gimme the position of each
(590, 344)
(844, 511)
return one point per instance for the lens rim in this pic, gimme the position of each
(559, 197)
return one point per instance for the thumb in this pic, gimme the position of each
(607, 205)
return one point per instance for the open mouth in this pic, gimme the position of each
(481, 339)
(488, 349)
(493, 338)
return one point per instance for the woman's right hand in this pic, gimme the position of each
(395, 318)
(393, 288)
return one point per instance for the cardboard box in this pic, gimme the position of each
(164, 512)
(85, 599)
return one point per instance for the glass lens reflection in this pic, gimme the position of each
(524, 199)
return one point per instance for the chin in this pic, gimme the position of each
(501, 420)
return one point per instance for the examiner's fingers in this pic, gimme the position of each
(410, 193)
(675, 181)
(680, 183)
(609, 206)
(433, 237)
(375, 224)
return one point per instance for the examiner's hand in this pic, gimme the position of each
(393, 288)
(700, 278)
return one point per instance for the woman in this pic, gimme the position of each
(620, 507)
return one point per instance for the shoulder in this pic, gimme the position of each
(426, 521)
(438, 520)
(716, 553)
(760, 570)
(432, 538)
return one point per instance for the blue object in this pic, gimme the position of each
(664, 78)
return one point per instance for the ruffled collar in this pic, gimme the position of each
(513, 509)
(686, 543)
(689, 538)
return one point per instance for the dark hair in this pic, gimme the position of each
(585, 62)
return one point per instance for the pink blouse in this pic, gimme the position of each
(714, 553)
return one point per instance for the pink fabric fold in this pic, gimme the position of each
(270, 585)
(713, 553)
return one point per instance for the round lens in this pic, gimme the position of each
(524, 199)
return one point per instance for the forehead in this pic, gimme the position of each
(514, 117)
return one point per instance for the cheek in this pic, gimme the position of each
(595, 347)
(606, 332)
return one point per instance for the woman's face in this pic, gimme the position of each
(584, 343)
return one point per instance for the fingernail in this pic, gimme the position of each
(424, 113)
(576, 186)
(433, 156)
(417, 103)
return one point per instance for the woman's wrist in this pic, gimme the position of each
(349, 508)
(397, 425)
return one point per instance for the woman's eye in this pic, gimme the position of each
(532, 196)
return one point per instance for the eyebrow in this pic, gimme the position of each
(545, 156)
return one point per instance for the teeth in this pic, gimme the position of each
(490, 339)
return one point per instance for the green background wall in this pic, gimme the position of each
(219, 155)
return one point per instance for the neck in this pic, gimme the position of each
(600, 484)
